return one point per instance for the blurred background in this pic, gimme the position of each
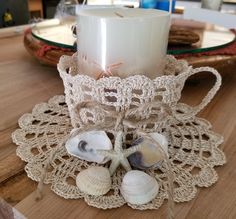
(18, 12)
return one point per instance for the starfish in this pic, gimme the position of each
(118, 155)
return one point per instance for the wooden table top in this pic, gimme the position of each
(24, 82)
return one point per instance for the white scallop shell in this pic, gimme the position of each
(138, 187)
(149, 155)
(94, 181)
(84, 146)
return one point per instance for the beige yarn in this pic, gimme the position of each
(192, 146)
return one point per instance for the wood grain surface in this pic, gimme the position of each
(24, 82)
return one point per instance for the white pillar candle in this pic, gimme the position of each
(122, 41)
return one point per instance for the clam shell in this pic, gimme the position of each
(138, 187)
(94, 181)
(84, 146)
(148, 155)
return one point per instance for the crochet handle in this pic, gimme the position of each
(207, 99)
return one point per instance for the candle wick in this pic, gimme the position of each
(119, 15)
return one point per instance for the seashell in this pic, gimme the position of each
(148, 155)
(94, 181)
(84, 146)
(138, 187)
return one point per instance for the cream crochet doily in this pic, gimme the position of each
(193, 150)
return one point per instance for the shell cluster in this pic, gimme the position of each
(94, 181)
(138, 187)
